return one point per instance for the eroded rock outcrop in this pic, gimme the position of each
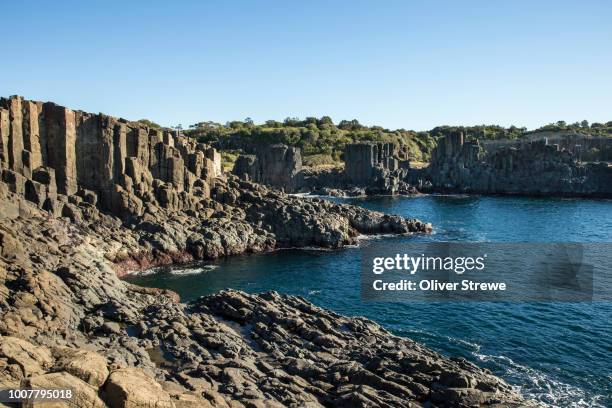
(369, 169)
(67, 321)
(531, 167)
(376, 167)
(277, 166)
(60, 158)
(169, 189)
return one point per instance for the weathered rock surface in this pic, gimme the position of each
(148, 197)
(86, 365)
(84, 396)
(278, 166)
(132, 388)
(64, 308)
(370, 169)
(528, 168)
(20, 359)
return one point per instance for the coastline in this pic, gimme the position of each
(330, 280)
(242, 205)
(98, 316)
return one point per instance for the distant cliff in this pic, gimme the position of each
(530, 167)
(278, 166)
(369, 168)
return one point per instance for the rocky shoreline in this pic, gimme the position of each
(68, 320)
(85, 198)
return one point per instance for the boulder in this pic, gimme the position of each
(83, 395)
(86, 365)
(24, 359)
(132, 388)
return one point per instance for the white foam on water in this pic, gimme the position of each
(375, 236)
(146, 272)
(540, 387)
(314, 292)
(193, 271)
(473, 346)
(313, 248)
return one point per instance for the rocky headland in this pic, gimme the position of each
(529, 166)
(369, 169)
(533, 167)
(85, 198)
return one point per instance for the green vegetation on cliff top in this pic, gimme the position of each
(322, 141)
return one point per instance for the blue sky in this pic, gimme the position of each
(394, 63)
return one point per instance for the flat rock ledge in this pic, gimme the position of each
(67, 320)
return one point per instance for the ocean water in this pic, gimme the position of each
(558, 353)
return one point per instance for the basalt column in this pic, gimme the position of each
(32, 140)
(94, 151)
(63, 160)
(138, 145)
(4, 138)
(156, 138)
(279, 166)
(14, 137)
(363, 162)
(61, 141)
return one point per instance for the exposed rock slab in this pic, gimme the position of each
(132, 388)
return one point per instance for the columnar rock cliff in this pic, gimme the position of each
(277, 166)
(370, 168)
(166, 187)
(375, 166)
(533, 168)
(363, 161)
(60, 157)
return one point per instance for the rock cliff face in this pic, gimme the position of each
(375, 166)
(59, 158)
(277, 166)
(532, 168)
(584, 147)
(363, 161)
(370, 168)
(170, 190)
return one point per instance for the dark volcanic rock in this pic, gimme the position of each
(524, 167)
(277, 166)
(119, 196)
(370, 169)
(168, 189)
(61, 296)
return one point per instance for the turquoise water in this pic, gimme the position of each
(559, 353)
